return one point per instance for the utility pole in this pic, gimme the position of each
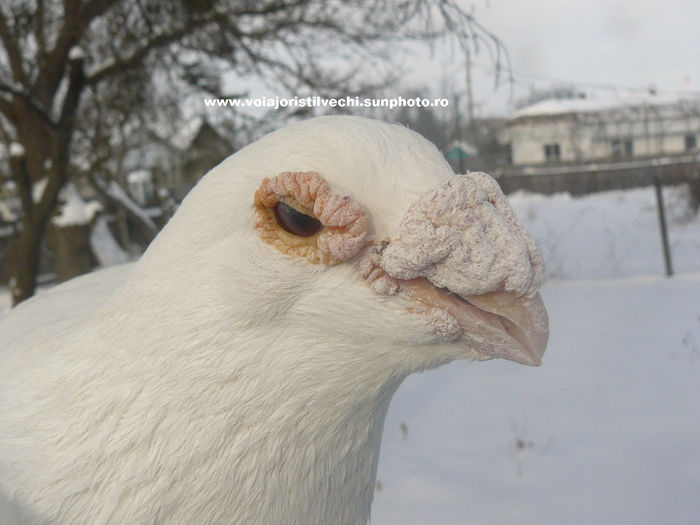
(662, 224)
(470, 103)
(458, 133)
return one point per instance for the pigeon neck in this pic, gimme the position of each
(322, 464)
(294, 453)
(243, 421)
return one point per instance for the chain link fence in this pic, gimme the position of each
(614, 232)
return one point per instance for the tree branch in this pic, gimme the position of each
(44, 207)
(137, 56)
(164, 39)
(29, 100)
(12, 49)
(116, 195)
(93, 9)
(40, 30)
(6, 107)
(66, 122)
(76, 81)
(18, 170)
(76, 20)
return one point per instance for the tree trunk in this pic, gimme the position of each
(45, 155)
(24, 263)
(72, 254)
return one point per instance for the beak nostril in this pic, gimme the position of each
(379, 247)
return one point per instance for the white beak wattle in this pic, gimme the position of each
(460, 249)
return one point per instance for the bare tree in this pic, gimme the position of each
(68, 71)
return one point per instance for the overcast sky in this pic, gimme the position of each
(625, 43)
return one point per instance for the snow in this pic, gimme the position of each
(5, 300)
(611, 234)
(38, 189)
(551, 107)
(607, 429)
(104, 246)
(100, 67)
(118, 194)
(17, 150)
(608, 426)
(6, 213)
(186, 134)
(76, 53)
(139, 177)
(140, 185)
(74, 210)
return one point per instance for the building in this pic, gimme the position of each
(157, 174)
(578, 131)
(176, 163)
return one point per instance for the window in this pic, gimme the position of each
(621, 148)
(691, 142)
(552, 153)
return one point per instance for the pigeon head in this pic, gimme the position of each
(354, 234)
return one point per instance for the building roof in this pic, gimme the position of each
(558, 107)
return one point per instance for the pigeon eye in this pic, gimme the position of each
(298, 213)
(296, 222)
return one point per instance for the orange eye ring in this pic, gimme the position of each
(342, 220)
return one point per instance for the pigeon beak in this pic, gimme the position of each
(497, 324)
(521, 323)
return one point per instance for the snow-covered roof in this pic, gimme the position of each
(553, 107)
(75, 210)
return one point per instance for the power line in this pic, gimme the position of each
(597, 85)
(526, 80)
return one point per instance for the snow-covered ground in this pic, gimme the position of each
(607, 431)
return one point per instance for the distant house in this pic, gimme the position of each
(157, 174)
(588, 130)
(206, 149)
(176, 163)
(9, 207)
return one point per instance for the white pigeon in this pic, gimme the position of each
(240, 372)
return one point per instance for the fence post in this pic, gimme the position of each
(662, 225)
